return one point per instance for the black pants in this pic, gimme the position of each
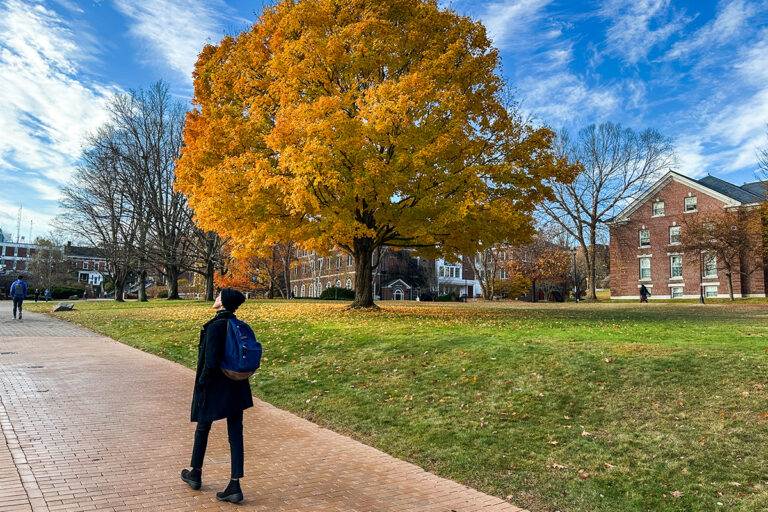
(17, 304)
(235, 434)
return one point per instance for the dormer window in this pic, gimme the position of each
(691, 204)
(645, 238)
(658, 209)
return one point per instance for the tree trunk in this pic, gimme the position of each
(119, 289)
(591, 265)
(287, 271)
(730, 284)
(210, 270)
(533, 291)
(363, 252)
(142, 286)
(172, 274)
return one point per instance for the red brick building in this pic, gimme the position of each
(645, 240)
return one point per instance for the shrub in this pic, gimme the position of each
(162, 294)
(335, 292)
(66, 292)
(451, 297)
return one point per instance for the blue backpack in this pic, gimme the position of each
(242, 353)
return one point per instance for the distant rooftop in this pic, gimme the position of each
(748, 193)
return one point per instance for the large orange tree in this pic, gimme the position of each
(357, 124)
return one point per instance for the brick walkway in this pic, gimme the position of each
(90, 424)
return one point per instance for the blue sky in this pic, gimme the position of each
(696, 71)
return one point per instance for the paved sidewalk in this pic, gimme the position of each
(90, 424)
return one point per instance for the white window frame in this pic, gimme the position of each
(349, 260)
(648, 268)
(710, 291)
(348, 284)
(672, 274)
(676, 292)
(400, 293)
(303, 290)
(710, 265)
(678, 235)
(655, 213)
(695, 201)
(641, 238)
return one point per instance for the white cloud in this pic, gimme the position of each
(45, 108)
(637, 27)
(175, 31)
(506, 21)
(731, 18)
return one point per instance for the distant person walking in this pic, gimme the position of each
(47, 295)
(644, 294)
(37, 294)
(216, 397)
(19, 293)
(85, 294)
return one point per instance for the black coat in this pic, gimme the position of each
(216, 396)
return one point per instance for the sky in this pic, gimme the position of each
(697, 71)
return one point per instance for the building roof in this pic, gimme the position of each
(757, 188)
(733, 191)
(74, 251)
(732, 195)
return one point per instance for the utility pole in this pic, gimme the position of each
(18, 227)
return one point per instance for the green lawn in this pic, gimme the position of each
(570, 407)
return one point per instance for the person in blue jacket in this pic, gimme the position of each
(19, 293)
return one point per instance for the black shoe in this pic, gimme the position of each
(193, 478)
(232, 493)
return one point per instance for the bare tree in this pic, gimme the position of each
(97, 209)
(730, 241)
(487, 265)
(618, 165)
(207, 247)
(47, 264)
(148, 123)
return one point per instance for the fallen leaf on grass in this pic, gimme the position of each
(559, 466)
(553, 443)
(585, 433)
(583, 476)
(608, 465)
(736, 484)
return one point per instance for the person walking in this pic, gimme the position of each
(216, 397)
(19, 293)
(644, 293)
(37, 294)
(47, 295)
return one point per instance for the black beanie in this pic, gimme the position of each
(231, 299)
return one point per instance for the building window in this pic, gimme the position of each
(295, 291)
(348, 285)
(338, 261)
(312, 266)
(303, 290)
(674, 234)
(676, 292)
(450, 271)
(327, 285)
(710, 265)
(676, 266)
(502, 273)
(658, 209)
(304, 268)
(690, 204)
(645, 268)
(338, 283)
(710, 291)
(645, 238)
(311, 290)
(349, 260)
(320, 265)
(398, 294)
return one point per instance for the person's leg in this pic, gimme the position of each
(233, 493)
(15, 306)
(21, 301)
(235, 434)
(201, 443)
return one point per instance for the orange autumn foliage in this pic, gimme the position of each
(361, 123)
